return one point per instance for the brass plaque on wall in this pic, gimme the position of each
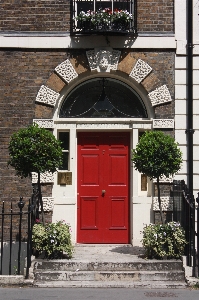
(64, 178)
(143, 182)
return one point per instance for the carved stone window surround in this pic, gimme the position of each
(46, 177)
(44, 123)
(140, 71)
(103, 60)
(48, 204)
(163, 123)
(164, 179)
(47, 96)
(167, 203)
(66, 71)
(160, 95)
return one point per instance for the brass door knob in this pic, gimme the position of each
(103, 192)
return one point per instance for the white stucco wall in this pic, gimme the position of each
(181, 89)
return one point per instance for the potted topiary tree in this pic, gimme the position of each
(34, 149)
(155, 155)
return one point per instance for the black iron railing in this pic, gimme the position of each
(12, 221)
(103, 17)
(186, 212)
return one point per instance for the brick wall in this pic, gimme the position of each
(49, 15)
(21, 75)
(35, 15)
(155, 15)
(162, 63)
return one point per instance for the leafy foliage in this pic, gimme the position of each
(34, 149)
(157, 154)
(164, 240)
(104, 16)
(51, 238)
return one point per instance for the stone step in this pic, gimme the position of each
(108, 276)
(141, 265)
(112, 284)
(108, 266)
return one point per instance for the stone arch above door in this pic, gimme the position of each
(105, 60)
(135, 68)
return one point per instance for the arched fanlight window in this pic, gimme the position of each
(103, 98)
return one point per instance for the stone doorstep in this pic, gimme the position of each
(112, 284)
(109, 276)
(108, 266)
(88, 265)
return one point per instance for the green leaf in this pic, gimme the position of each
(34, 149)
(157, 154)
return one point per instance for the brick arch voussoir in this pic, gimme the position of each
(136, 68)
(135, 65)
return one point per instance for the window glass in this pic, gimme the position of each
(65, 161)
(100, 4)
(103, 98)
(64, 138)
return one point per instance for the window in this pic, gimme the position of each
(145, 184)
(103, 98)
(95, 16)
(96, 5)
(64, 138)
(141, 133)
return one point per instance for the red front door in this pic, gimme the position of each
(103, 187)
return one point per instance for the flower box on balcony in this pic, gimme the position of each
(104, 20)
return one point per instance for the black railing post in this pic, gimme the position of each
(10, 259)
(178, 211)
(193, 235)
(189, 236)
(29, 241)
(10, 214)
(72, 12)
(20, 205)
(135, 15)
(188, 222)
(2, 224)
(197, 234)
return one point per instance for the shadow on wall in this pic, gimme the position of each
(103, 41)
(14, 258)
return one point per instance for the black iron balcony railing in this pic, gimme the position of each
(103, 17)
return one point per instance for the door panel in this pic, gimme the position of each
(103, 187)
(117, 213)
(118, 162)
(90, 169)
(89, 213)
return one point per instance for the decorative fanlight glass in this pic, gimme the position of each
(103, 98)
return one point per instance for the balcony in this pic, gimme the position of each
(103, 17)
